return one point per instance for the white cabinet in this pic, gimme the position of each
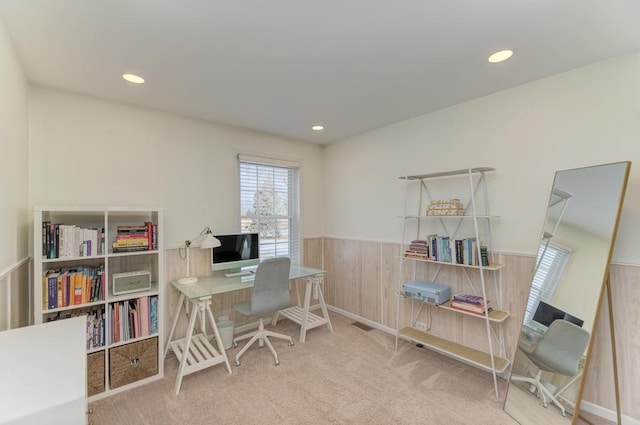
(43, 369)
(77, 251)
(455, 234)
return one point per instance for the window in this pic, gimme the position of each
(269, 205)
(551, 261)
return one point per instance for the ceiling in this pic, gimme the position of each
(281, 66)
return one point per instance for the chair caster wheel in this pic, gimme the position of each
(277, 362)
(291, 344)
(237, 363)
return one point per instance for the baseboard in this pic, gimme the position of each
(367, 322)
(607, 414)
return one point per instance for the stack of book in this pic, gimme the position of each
(471, 304)
(418, 249)
(135, 238)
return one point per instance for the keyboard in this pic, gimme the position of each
(242, 273)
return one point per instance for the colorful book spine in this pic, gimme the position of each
(153, 314)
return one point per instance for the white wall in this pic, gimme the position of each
(14, 182)
(587, 116)
(589, 259)
(87, 151)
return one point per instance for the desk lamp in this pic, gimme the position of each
(204, 240)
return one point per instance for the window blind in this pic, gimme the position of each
(270, 205)
(552, 264)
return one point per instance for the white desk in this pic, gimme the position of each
(195, 352)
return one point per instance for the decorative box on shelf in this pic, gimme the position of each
(450, 207)
(133, 362)
(128, 282)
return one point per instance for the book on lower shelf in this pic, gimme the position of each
(471, 303)
(95, 323)
(134, 318)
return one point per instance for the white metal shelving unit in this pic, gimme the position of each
(489, 360)
(152, 260)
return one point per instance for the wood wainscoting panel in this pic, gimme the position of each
(342, 263)
(599, 382)
(626, 306)
(389, 275)
(354, 268)
(312, 252)
(516, 276)
(370, 282)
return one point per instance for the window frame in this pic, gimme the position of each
(293, 226)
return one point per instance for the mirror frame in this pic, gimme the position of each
(604, 286)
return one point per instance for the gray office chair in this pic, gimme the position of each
(270, 294)
(559, 350)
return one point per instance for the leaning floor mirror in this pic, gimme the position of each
(571, 267)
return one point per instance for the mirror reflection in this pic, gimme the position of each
(571, 265)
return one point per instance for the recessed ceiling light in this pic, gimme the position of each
(317, 128)
(133, 78)
(500, 56)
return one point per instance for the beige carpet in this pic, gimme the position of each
(350, 376)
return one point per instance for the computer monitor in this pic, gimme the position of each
(545, 315)
(573, 319)
(236, 251)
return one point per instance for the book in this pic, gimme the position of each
(444, 252)
(134, 316)
(125, 236)
(471, 303)
(484, 256)
(468, 248)
(143, 312)
(469, 308)
(52, 283)
(131, 229)
(153, 314)
(154, 237)
(122, 249)
(124, 243)
(149, 226)
(469, 299)
(51, 237)
(45, 239)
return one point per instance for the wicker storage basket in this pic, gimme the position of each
(133, 362)
(95, 373)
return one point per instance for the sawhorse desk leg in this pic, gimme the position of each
(195, 352)
(302, 315)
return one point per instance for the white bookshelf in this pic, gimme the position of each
(476, 214)
(106, 357)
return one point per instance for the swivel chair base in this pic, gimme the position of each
(542, 392)
(261, 335)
